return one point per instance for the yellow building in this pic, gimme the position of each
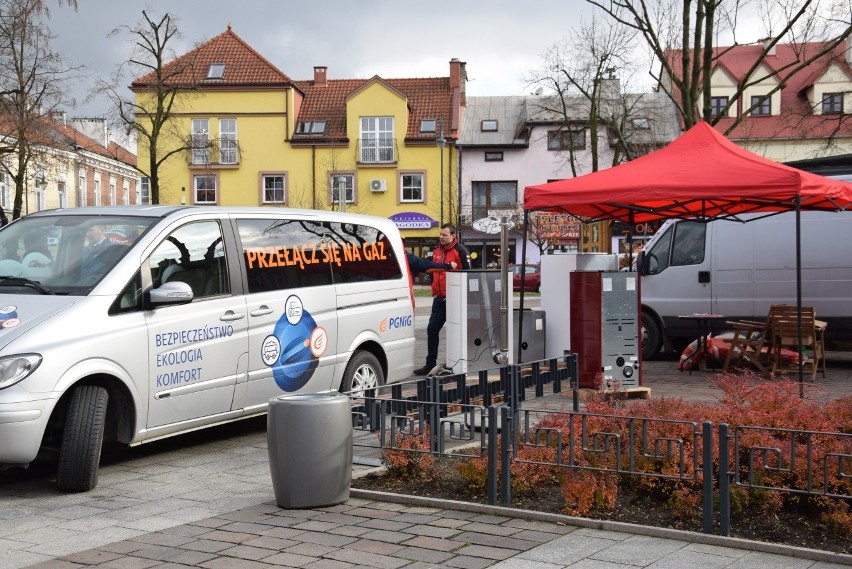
(253, 136)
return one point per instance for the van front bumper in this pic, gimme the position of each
(21, 429)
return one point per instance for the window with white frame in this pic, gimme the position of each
(144, 196)
(63, 193)
(200, 141)
(377, 139)
(310, 127)
(5, 194)
(97, 188)
(411, 188)
(81, 190)
(228, 141)
(347, 183)
(112, 188)
(428, 125)
(125, 192)
(274, 188)
(205, 189)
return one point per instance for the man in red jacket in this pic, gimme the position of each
(450, 251)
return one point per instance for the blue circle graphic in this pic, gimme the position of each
(295, 364)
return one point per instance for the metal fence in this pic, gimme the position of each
(452, 416)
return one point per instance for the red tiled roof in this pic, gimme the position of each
(48, 132)
(244, 67)
(428, 98)
(84, 142)
(796, 118)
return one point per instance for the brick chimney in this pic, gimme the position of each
(320, 75)
(458, 77)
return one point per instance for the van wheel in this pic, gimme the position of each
(362, 372)
(652, 336)
(82, 439)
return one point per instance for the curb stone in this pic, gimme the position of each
(621, 527)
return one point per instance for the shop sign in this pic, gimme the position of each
(557, 227)
(488, 225)
(413, 220)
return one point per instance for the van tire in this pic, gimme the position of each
(362, 372)
(652, 336)
(82, 439)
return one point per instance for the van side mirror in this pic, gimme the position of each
(640, 263)
(175, 292)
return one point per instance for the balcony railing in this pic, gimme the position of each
(222, 151)
(377, 150)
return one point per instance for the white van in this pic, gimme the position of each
(130, 324)
(739, 269)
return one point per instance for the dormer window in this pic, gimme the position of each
(761, 105)
(641, 123)
(832, 103)
(310, 127)
(428, 125)
(718, 106)
(216, 71)
(489, 125)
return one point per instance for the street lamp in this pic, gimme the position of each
(441, 142)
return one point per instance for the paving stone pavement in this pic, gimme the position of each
(206, 500)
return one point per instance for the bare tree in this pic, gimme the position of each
(160, 92)
(580, 70)
(692, 28)
(32, 79)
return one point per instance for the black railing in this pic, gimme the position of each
(457, 412)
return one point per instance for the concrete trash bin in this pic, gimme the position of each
(309, 438)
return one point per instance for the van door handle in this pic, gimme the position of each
(703, 276)
(231, 315)
(261, 311)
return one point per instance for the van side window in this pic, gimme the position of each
(284, 253)
(193, 254)
(688, 243)
(657, 258)
(367, 254)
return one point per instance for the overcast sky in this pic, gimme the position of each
(499, 40)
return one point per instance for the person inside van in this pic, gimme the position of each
(97, 243)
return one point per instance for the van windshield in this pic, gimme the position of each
(64, 254)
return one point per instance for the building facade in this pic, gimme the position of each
(787, 115)
(253, 136)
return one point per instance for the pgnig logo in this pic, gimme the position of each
(395, 322)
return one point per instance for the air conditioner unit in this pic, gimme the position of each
(378, 186)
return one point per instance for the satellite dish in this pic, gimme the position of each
(539, 91)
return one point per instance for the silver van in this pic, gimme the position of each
(130, 324)
(739, 270)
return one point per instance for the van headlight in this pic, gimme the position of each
(15, 368)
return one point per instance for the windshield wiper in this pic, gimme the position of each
(25, 282)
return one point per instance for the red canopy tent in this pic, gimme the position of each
(701, 174)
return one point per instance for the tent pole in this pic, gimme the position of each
(799, 294)
(630, 241)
